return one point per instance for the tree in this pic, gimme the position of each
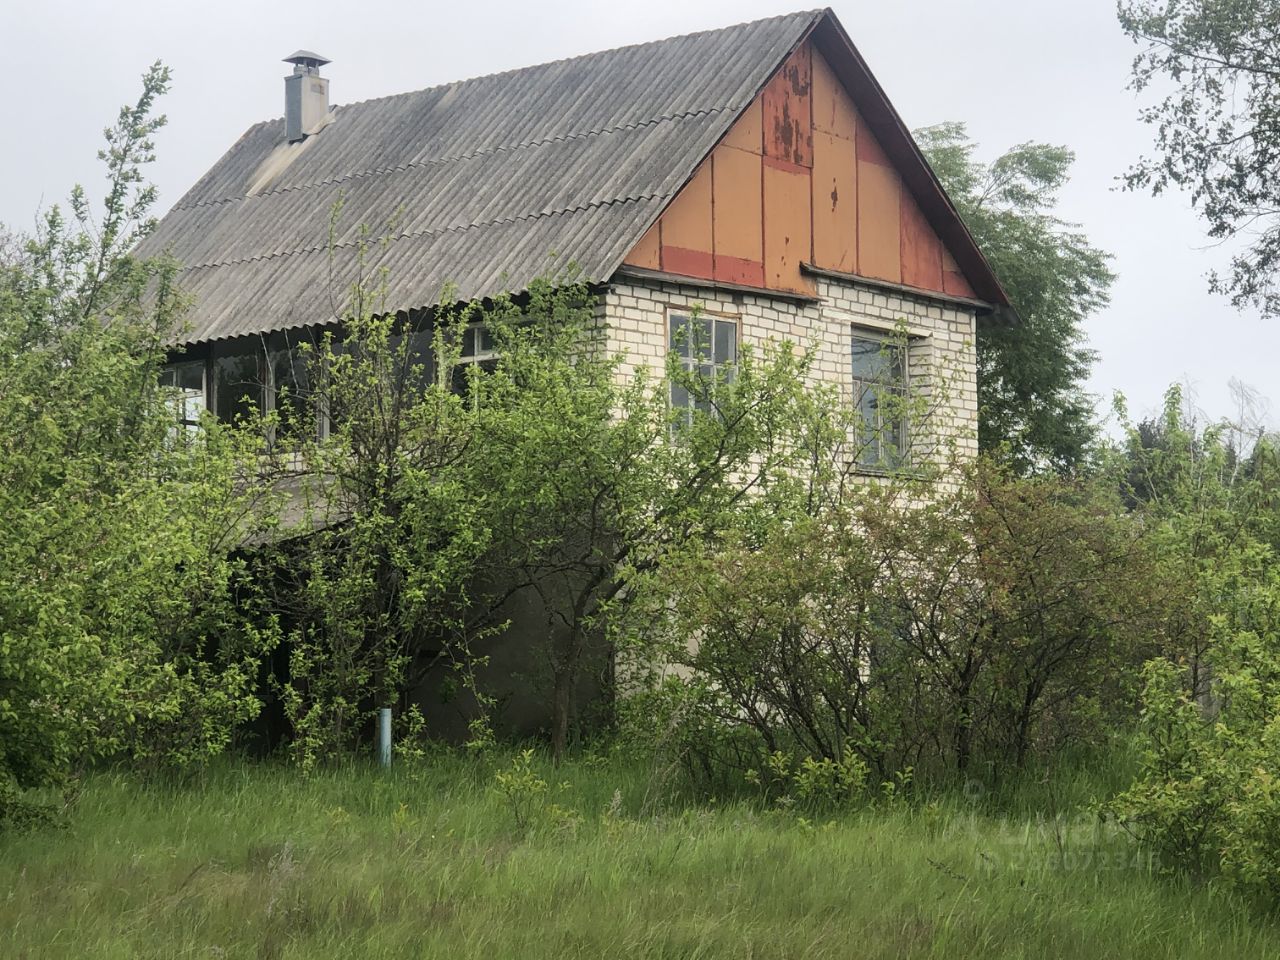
(914, 628)
(594, 479)
(539, 485)
(121, 632)
(1217, 131)
(1031, 396)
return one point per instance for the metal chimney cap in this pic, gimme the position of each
(305, 58)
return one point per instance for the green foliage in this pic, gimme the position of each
(1205, 798)
(547, 484)
(389, 533)
(909, 626)
(1033, 408)
(813, 785)
(122, 627)
(521, 789)
(1214, 66)
(255, 861)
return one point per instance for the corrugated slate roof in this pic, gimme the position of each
(485, 184)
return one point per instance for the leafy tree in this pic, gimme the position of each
(120, 624)
(1031, 397)
(1205, 797)
(1217, 131)
(594, 480)
(544, 487)
(936, 631)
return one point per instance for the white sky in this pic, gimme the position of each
(1013, 70)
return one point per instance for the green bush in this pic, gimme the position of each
(1207, 798)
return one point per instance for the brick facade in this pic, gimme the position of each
(942, 361)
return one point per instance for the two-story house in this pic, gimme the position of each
(758, 171)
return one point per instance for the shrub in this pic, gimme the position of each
(982, 625)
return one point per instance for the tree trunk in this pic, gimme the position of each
(561, 702)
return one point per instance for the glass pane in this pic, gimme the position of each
(189, 376)
(896, 361)
(703, 334)
(869, 423)
(869, 360)
(193, 406)
(680, 335)
(292, 373)
(416, 360)
(679, 396)
(894, 442)
(187, 379)
(458, 378)
(238, 386)
(469, 342)
(486, 339)
(726, 350)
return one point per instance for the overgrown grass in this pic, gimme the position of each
(258, 861)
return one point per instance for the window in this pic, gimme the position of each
(238, 384)
(414, 353)
(880, 390)
(708, 349)
(478, 350)
(187, 381)
(291, 389)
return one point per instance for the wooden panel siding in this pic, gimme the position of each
(747, 132)
(687, 222)
(788, 233)
(737, 212)
(799, 178)
(648, 252)
(953, 279)
(835, 202)
(921, 249)
(788, 117)
(879, 221)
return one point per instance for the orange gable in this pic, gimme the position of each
(799, 179)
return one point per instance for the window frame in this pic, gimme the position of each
(181, 402)
(871, 455)
(459, 363)
(691, 363)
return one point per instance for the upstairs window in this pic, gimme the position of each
(291, 391)
(239, 383)
(478, 350)
(879, 391)
(187, 382)
(708, 351)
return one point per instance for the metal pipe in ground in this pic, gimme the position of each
(384, 737)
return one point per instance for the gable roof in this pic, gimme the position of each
(484, 184)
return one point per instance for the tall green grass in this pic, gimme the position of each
(426, 861)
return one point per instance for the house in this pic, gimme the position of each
(757, 173)
(757, 170)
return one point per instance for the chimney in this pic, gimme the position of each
(306, 95)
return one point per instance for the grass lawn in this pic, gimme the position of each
(427, 861)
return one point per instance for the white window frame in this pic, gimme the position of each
(723, 370)
(188, 405)
(871, 449)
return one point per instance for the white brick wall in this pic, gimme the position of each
(941, 354)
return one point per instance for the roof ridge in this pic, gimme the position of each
(456, 158)
(429, 231)
(812, 13)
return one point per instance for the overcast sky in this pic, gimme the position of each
(1013, 70)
